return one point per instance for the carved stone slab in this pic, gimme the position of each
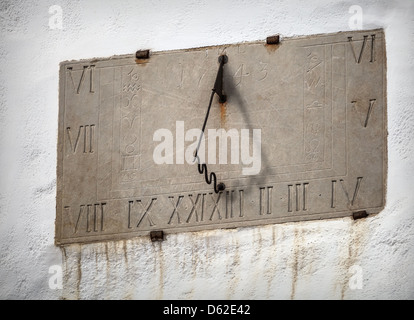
(128, 130)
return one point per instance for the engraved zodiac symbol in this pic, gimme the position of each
(129, 139)
(313, 152)
(133, 76)
(132, 86)
(313, 128)
(131, 102)
(313, 74)
(128, 176)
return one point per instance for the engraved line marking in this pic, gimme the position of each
(91, 136)
(290, 187)
(201, 78)
(81, 79)
(84, 138)
(175, 206)
(371, 106)
(297, 196)
(241, 200)
(102, 216)
(229, 195)
(231, 202)
(372, 48)
(346, 109)
(194, 209)
(181, 76)
(261, 202)
(88, 217)
(130, 203)
(91, 89)
(333, 194)
(202, 206)
(313, 67)
(269, 200)
(305, 196)
(215, 206)
(355, 191)
(66, 209)
(78, 220)
(95, 217)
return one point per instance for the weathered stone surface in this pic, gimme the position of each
(320, 105)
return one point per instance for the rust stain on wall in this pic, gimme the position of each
(223, 114)
(79, 272)
(159, 260)
(124, 248)
(298, 251)
(358, 237)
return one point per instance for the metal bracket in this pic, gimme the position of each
(359, 215)
(273, 39)
(142, 54)
(157, 236)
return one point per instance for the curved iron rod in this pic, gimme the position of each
(218, 89)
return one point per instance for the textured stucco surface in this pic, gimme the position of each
(298, 260)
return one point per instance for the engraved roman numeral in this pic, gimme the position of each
(82, 78)
(266, 200)
(88, 132)
(90, 216)
(372, 48)
(229, 204)
(358, 59)
(295, 195)
(230, 201)
(145, 212)
(194, 208)
(350, 201)
(216, 208)
(175, 206)
(241, 203)
(369, 111)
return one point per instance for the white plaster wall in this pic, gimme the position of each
(297, 260)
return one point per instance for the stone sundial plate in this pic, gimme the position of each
(127, 131)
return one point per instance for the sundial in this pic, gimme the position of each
(293, 130)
